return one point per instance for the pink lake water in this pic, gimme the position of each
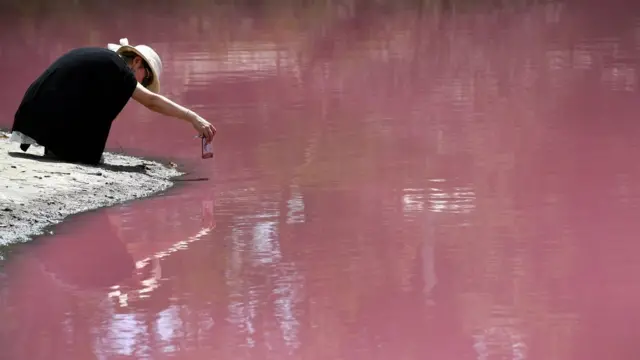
(387, 184)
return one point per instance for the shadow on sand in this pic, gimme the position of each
(139, 168)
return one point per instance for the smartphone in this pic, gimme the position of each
(207, 149)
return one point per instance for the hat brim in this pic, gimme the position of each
(155, 84)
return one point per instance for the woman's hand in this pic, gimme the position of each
(202, 126)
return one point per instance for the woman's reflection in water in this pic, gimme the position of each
(55, 287)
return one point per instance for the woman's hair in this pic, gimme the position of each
(129, 56)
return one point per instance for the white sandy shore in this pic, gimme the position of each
(36, 192)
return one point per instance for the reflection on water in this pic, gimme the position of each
(295, 205)
(388, 183)
(456, 200)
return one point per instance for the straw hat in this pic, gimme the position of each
(148, 54)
